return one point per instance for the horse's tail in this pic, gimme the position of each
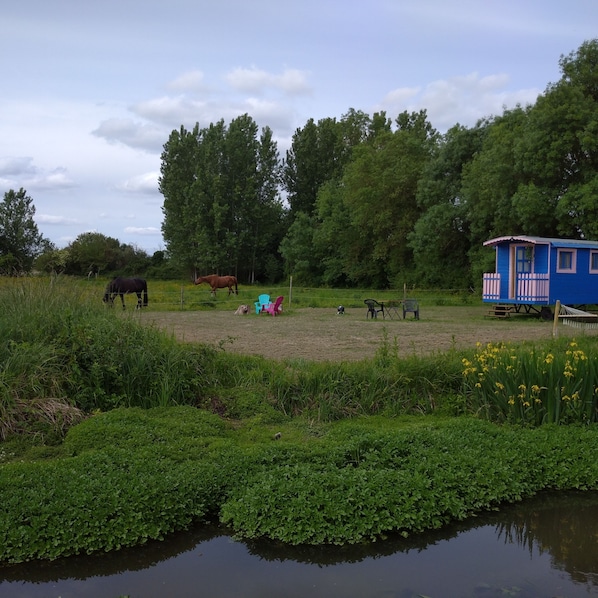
(145, 297)
(236, 289)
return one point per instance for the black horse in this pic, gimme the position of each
(121, 286)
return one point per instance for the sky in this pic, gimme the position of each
(90, 91)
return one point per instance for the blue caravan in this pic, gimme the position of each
(535, 272)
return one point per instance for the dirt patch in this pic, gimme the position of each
(321, 334)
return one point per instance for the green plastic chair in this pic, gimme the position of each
(411, 305)
(374, 308)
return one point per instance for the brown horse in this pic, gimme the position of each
(219, 282)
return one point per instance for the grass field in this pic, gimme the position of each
(320, 334)
(310, 328)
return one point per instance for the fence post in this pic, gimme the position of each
(182, 298)
(557, 311)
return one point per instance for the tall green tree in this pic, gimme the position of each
(333, 235)
(320, 151)
(267, 216)
(94, 253)
(308, 162)
(178, 186)
(326, 233)
(441, 238)
(20, 240)
(559, 153)
(53, 261)
(254, 207)
(380, 188)
(492, 178)
(297, 249)
(221, 200)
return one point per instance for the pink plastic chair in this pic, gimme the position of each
(275, 308)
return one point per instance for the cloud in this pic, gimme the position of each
(197, 102)
(190, 81)
(175, 111)
(462, 99)
(142, 231)
(399, 97)
(277, 116)
(57, 220)
(254, 80)
(144, 183)
(146, 137)
(56, 179)
(20, 171)
(16, 166)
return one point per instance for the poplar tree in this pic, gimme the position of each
(222, 209)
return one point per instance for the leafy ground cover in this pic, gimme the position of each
(131, 475)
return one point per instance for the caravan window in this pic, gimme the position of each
(524, 256)
(566, 260)
(594, 262)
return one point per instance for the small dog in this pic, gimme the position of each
(340, 310)
(242, 310)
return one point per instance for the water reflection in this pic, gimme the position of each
(565, 527)
(546, 546)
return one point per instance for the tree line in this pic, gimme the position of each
(371, 201)
(366, 200)
(24, 249)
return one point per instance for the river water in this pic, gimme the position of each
(542, 547)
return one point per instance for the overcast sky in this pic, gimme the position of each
(91, 90)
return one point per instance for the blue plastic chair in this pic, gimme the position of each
(262, 302)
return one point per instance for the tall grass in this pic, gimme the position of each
(328, 391)
(59, 342)
(61, 345)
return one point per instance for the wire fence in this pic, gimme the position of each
(185, 297)
(171, 295)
